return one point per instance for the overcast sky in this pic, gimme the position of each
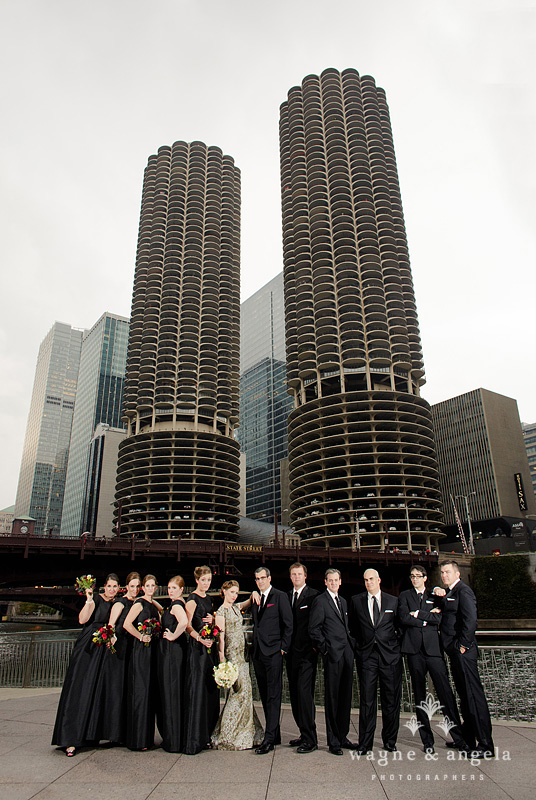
(91, 89)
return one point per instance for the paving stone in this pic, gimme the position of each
(89, 791)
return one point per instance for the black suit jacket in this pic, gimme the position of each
(301, 640)
(329, 631)
(385, 635)
(415, 634)
(272, 626)
(459, 617)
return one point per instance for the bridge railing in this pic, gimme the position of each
(34, 660)
(508, 673)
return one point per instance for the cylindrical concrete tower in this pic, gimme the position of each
(362, 462)
(178, 468)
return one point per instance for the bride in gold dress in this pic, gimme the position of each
(238, 727)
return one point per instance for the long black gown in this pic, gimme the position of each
(171, 672)
(77, 696)
(141, 686)
(202, 693)
(109, 717)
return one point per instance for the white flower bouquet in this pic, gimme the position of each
(226, 674)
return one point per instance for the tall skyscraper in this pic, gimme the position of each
(178, 469)
(264, 402)
(483, 462)
(98, 400)
(48, 432)
(362, 465)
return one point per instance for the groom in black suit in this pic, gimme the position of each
(272, 632)
(458, 637)
(328, 628)
(301, 661)
(373, 622)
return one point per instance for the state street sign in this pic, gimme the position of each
(244, 548)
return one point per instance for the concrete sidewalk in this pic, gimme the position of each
(31, 768)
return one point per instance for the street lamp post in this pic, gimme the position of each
(357, 531)
(410, 547)
(466, 499)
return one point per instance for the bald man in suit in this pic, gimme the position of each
(374, 625)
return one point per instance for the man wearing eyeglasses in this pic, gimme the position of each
(420, 616)
(272, 633)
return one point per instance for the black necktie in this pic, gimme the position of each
(375, 610)
(263, 600)
(294, 600)
(419, 595)
(338, 605)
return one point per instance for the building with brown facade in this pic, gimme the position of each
(483, 468)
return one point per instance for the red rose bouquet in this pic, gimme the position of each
(104, 637)
(149, 627)
(209, 632)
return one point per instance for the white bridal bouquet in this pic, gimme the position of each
(226, 674)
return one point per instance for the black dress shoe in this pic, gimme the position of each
(348, 745)
(391, 748)
(265, 747)
(296, 742)
(429, 749)
(461, 746)
(362, 751)
(481, 752)
(451, 744)
(307, 748)
(336, 751)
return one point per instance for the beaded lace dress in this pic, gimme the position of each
(238, 727)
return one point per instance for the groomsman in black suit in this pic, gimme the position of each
(420, 615)
(373, 622)
(458, 636)
(301, 661)
(330, 635)
(272, 632)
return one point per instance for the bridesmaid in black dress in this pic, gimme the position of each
(202, 693)
(171, 670)
(76, 701)
(141, 670)
(109, 717)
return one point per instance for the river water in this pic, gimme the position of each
(11, 632)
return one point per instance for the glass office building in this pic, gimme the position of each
(97, 515)
(264, 402)
(98, 400)
(48, 432)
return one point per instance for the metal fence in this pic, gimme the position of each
(34, 660)
(508, 673)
